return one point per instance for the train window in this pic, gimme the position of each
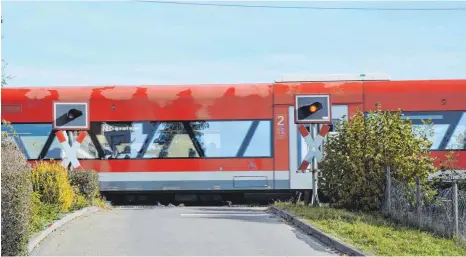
(30, 138)
(210, 139)
(87, 150)
(171, 140)
(436, 136)
(448, 128)
(339, 113)
(458, 138)
(261, 143)
(183, 139)
(122, 140)
(236, 138)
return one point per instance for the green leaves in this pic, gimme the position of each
(355, 160)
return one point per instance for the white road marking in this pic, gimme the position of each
(226, 214)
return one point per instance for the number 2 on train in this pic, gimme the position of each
(280, 119)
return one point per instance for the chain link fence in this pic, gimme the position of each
(427, 210)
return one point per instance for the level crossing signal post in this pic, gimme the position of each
(314, 110)
(69, 116)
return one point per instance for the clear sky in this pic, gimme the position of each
(131, 43)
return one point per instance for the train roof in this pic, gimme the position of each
(305, 78)
(234, 101)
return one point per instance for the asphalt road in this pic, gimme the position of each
(180, 231)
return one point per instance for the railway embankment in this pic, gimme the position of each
(369, 234)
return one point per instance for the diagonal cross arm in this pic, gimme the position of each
(70, 152)
(312, 144)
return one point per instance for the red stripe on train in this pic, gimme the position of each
(176, 165)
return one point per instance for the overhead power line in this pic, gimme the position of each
(305, 7)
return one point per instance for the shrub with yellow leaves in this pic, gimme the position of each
(50, 180)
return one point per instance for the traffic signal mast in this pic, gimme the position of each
(314, 110)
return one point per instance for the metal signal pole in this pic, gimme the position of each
(314, 169)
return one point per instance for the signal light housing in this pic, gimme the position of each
(70, 116)
(312, 109)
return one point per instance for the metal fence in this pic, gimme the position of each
(443, 213)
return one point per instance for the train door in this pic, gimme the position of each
(281, 146)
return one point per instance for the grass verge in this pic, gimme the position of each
(44, 214)
(373, 234)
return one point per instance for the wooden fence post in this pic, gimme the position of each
(418, 201)
(388, 191)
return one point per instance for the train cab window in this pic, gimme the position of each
(87, 150)
(30, 138)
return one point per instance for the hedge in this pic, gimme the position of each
(16, 199)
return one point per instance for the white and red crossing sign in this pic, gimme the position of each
(312, 145)
(70, 151)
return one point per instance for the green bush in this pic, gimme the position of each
(42, 213)
(80, 201)
(353, 169)
(16, 199)
(87, 181)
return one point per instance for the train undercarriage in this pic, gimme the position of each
(196, 198)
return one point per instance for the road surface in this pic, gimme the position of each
(198, 231)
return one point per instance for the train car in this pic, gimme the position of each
(212, 138)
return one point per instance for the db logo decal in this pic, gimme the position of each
(70, 151)
(312, 145)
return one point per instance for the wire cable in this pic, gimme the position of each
(305, 7)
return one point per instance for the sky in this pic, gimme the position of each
(76, 43)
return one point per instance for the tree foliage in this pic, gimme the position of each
(449, 172)
(354, 166)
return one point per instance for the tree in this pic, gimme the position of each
(353, 169)
(4, 64)
(4, 75)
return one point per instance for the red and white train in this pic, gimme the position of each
(233, 137)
